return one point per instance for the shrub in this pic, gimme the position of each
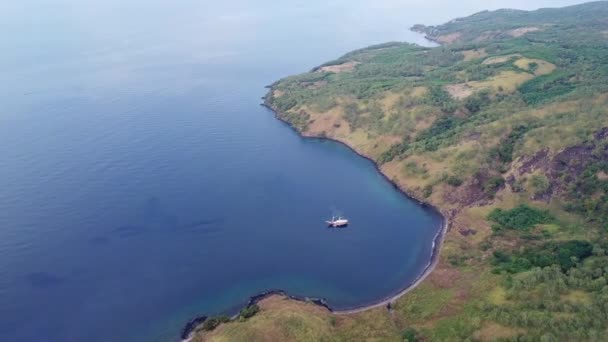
(539, 184)
(351, 114)
(454, 181)
(518, 185)
(410, 335)
(500, 257)
(249, 311)
(456, 260)
(492, 185)
(437, 96)
(212, 322)
(504, 150)
(477, 101)
(427, 190)
(394, 151)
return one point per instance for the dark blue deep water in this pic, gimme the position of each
(141, 183)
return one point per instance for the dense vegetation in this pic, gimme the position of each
(523, 217)
(565, 254)
(502, 127)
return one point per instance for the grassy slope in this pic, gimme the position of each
(281, 319)
(508, 113)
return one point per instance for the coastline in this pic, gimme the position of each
(440, 148)
(437, 243)
(423, 30)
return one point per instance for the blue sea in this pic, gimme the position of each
(142, 184)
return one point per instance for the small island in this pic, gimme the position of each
(504, 128)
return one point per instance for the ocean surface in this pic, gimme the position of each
(142, 184)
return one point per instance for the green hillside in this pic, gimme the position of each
(504, 127)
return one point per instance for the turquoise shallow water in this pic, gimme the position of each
(143, 184)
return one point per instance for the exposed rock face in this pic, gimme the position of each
(474, 192)
(538, 160)
(563, 168)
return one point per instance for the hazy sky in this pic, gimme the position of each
(41, 31)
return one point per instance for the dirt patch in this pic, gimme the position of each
(467, 231)
(277, 93)
(389, 101)
(424, 123)
(540, 160)
(492, 332)
(383, 143)
(444, 277)
(519, 32)
(327, 124)
(474, 136)
(419, 92)
(602, 176)
(461, 113)
(577, 296)
(448, 38)
(459, 91)
(344, 67)
(488, 35)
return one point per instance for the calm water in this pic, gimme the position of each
(142, 184)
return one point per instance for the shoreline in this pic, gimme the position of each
(437, 243)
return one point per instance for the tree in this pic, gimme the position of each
(532, 67)
(410, 335)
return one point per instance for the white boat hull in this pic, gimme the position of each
(337, 223)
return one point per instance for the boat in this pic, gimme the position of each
(337, 222)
